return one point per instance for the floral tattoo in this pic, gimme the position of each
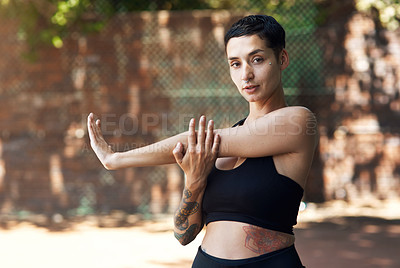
(181, 219)
(261, 241)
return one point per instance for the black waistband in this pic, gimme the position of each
(283, 258)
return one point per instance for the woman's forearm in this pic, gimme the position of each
(159, 153)
(196, 162)
(188, 220)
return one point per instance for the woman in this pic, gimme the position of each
(245, 183)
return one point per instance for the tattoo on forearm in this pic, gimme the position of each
(189, 235)
(185, 209)
(261, 241)
(181, 219)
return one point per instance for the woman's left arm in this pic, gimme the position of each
(284, 131)
(197, 163)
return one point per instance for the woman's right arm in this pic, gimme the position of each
(158, 153)
(291, 130)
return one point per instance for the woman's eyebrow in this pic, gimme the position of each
(250, 54)
(255, 52)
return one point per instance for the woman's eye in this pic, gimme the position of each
(235, 64)
(258, 60)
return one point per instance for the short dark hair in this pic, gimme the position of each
(266, 27)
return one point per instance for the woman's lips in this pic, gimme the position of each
(250, 89)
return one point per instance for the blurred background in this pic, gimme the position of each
(146, 67)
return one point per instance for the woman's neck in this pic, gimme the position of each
(259, 109)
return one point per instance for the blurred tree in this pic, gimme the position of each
(50, 21)
(388, 11)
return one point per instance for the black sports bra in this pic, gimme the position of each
(253, 193)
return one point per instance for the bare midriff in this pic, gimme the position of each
(236, 240)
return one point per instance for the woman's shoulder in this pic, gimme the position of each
(294, 110)
(295, 119)
(293, 114)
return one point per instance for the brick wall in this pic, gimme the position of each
(46, 164)
(360, 142)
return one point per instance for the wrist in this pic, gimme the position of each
(196, 185)
(111, 162)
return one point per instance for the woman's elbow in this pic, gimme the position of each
(184, 239)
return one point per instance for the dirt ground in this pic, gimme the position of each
(331, 235)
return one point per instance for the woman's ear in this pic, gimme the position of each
(284, 59)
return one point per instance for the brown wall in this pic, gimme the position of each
(360, 142)
(46, 164)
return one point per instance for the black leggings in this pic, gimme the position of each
(283, 258)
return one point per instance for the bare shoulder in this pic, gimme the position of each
(304, 117)
(298, 122)
(298, 112)
(302, 132)
(296, 118)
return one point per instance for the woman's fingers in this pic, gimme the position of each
(200, 155)
(210, 134)
(201, 134)
(89, 126)
(92, 125)
(95, 134)
(97, 127)
(92, 128)
(177, 152)
(192, 136)
(215, 147)
(204, 141)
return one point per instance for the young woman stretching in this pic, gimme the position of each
(245, 183)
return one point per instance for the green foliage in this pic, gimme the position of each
(50, 21)
(388, 11)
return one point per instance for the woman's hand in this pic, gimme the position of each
(200, 155)
(196, 161)
(102, 150)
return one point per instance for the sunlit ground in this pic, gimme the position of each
(336, 234)
(362, 234)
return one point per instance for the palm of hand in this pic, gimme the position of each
(101, 148)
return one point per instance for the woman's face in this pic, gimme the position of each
(251, 60)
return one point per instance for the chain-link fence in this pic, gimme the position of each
(145, 74)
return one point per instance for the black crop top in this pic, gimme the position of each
(253, 193)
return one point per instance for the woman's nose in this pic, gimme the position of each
(247, 72)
